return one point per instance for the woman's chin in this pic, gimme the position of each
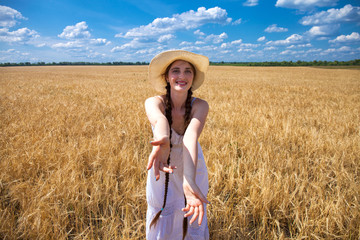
(181, 88)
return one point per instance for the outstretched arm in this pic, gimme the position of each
(161, 144)
(194, 197)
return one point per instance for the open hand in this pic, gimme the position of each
(195, 201)
(158, 157)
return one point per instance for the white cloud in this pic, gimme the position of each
(354, 37)
(314, 50)
(8, 19)
(275, 28)
(288, 52)
(225, 51)
(76, 32)
(198, 32)
(330, 50)
(225, 45)
(231, 44)
(117, 49)
(95, 55)
(249, 45)
(293, 39)
(79, 40)
(86, 47)
(133, 44)
(71, 44)
(81, 43)
(8, 16)
(185, 43)
(251, 3)
(337, 50)
(236, 42)
(21, 35)
(11, 50)
(324, 30)
(245, 50)
(216, 38)
(300, 46)
(146, 51)
(40, 45)
(99, 41)
(165, 38)
(344, 49)
(238, 46)
(305, 4)
(184, 21)
(12, 55)
(261, 39)
(322, 38)
(237, 22)
(269, 48)
(346, 14)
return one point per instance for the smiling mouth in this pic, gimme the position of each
(181, 83)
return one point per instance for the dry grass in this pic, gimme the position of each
(282, 147)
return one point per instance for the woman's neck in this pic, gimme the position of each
(178, 100)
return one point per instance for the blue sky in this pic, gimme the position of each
(223, 30)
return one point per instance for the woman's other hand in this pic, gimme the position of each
(159, 156)
(195, 201)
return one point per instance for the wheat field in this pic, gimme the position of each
(282, 147)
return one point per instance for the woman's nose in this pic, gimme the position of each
(182, 75)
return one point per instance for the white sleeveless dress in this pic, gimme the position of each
(170, 223)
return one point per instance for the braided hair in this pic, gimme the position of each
(168, 109)
(187, 118)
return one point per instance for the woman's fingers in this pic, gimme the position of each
(162, 141)
(152, 157)
(196, 214)
(159, 166)
(156, 169)
(201, 214)
(150, 161)
(167, 170)
(156, 142)
(186, 208)
(190, 212)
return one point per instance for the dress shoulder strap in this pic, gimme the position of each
(192, 101)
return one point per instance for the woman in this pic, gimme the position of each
(179, 180)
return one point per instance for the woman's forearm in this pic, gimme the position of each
(161, 128)
(190, 150)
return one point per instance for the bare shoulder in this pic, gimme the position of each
(156, 101)
(200, 105)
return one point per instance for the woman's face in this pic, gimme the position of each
(180, 76)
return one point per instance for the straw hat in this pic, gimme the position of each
(161, 61)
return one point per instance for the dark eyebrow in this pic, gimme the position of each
(176, 68)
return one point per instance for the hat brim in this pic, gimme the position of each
(161, 61)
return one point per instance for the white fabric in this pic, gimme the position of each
(170, 223)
